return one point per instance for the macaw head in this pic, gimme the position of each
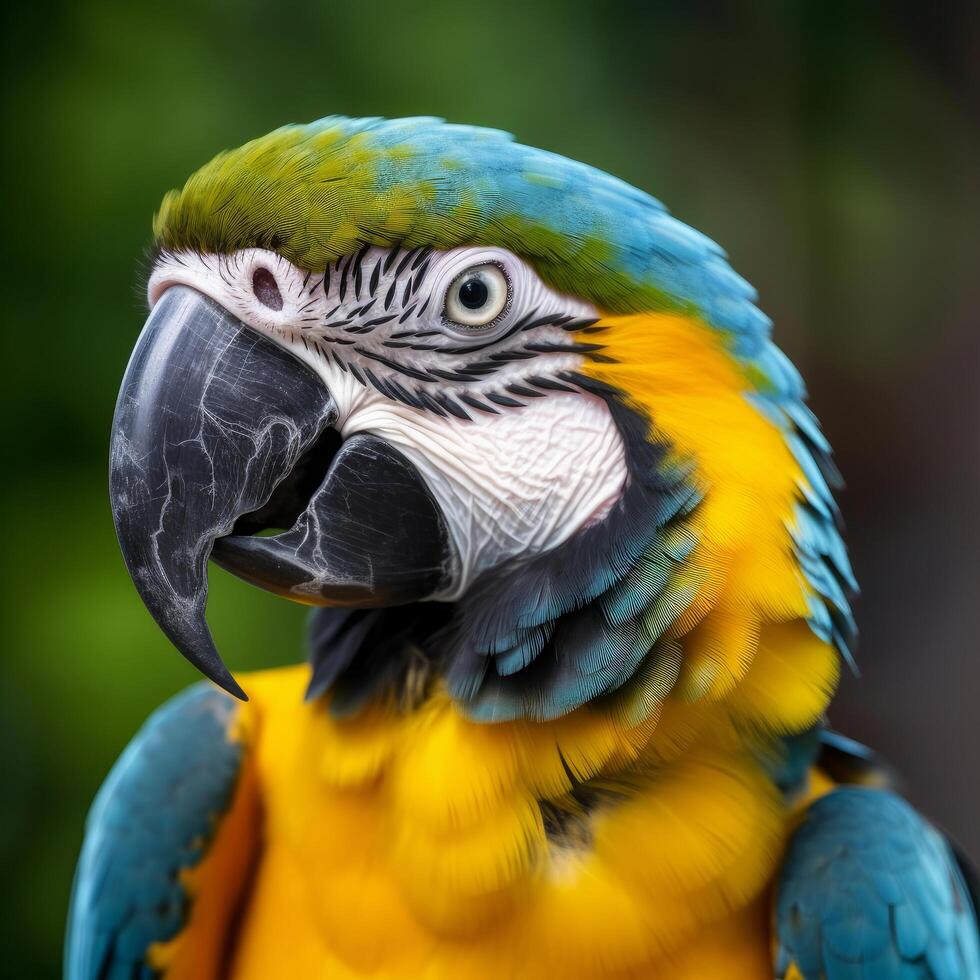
(495, 410)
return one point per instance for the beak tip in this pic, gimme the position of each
(192, 637)
(231, 686)
(209, 663)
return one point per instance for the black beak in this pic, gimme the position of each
(220, 433)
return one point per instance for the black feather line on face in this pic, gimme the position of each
(511, 355)
(395, 366)
(378, 320)
(459, 376)
(523, 390)
(477, 404)
(344, 266)
(403, 265)
(419, 278)
(407, 397)
(481, 367)
(357, 263)
(423, 256)
(409, 267)
(430, 402)
(592, 385)
(550, 347)
(548, 384)
(376, 382)
(450, 406)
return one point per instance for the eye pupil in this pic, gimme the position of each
(478, 297)
(473, 293)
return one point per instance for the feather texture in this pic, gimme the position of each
(320, 191)
(594, 755)
(870, 890)
(174, 818)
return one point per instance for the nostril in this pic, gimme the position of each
(265, 288)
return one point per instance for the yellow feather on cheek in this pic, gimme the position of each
(790, 682)
(675, 371)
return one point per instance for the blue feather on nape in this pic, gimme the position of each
(816, 527)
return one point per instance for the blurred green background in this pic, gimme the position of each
(831, 146)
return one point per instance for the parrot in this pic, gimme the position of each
(580, 597)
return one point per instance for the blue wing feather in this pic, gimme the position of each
(869, 890)
(155, 815)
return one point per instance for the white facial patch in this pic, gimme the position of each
(517, 464)
(518, 483)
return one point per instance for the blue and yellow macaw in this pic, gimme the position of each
(582, 600)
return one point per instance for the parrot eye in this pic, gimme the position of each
(478, 296)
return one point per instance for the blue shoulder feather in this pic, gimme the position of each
(870, 891)
(155, 815)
